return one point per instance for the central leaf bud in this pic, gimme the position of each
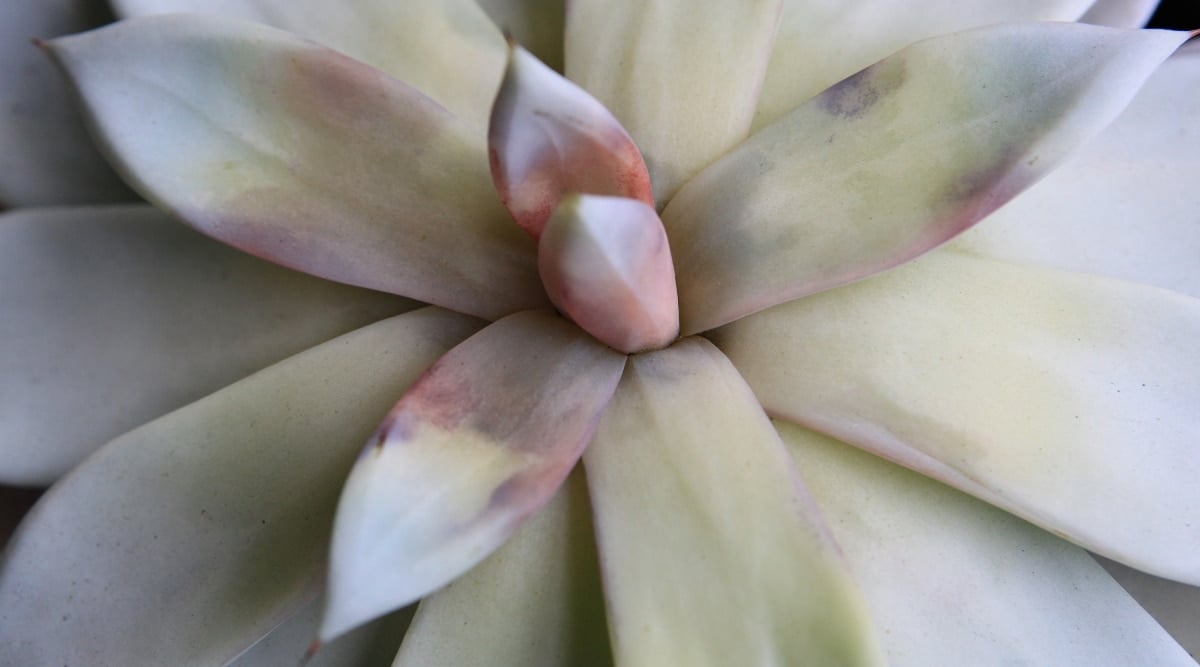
(572, 177)
(606, 264)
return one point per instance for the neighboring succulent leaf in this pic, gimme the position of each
(1127, 205)
(447, 49)
(481, 442)
(305, 157)
(535, 601)
(1120, 13)
(46, 155)
(821, 42)
(683, 77)
(606, 264)
(711, 551)
(548, 138)
(1066, 399)
(187, 540)
(896, 160)
(113, 316)
(951, 581)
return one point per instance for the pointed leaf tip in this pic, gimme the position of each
(548, 136)
(477, 446)
(606, 263)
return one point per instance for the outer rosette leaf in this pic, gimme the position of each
(821, 42)
(896, 160)
(304, 157)
(481, 442)
(1066, 399)
(447, 49)
(952, 581)
(682, 76)
(187, 540)
(535, 601)
(711, 551)
(113, 316)
(1127, 204)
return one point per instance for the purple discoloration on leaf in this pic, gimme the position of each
(855, 95)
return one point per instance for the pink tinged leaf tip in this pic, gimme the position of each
(548, 136)
(606, 264)
(470, 452)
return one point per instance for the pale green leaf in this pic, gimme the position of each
(1127, 204)
(821, 42)
(113, 316)
(895, 160)
(187, 540)
(952, 581)
(1066, 399)
(682, 77)
(711, 551)
(481, 442)
(535, 601)
(447, 49)
(304, 156)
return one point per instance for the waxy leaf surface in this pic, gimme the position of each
(201, 531)
(606, 263)
(535, 601)
(548, 137)
(681, 76)
(305, 157)
(447, 49)
(711, 551)
(1126, 205)
(895, 160)
(113, 316)
(821, 42)
(481, 442)
(1066, 399)
(952, 581)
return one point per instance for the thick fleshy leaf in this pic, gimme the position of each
(951, 581)
(896, 160)
(472, 450)
(113, 316)
(821, 42)
(1066, 399)
(683, 77)
(535, 24)
(548, 137)
(606, 264)
(46, 155)
(287, 645)
(1174, 605)
(711, 550)
(1127, 205)
(187, 540)
(305, 157)
(535, 601)
(447, 49)
(1120, 13)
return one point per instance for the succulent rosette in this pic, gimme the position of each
(654, 334)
